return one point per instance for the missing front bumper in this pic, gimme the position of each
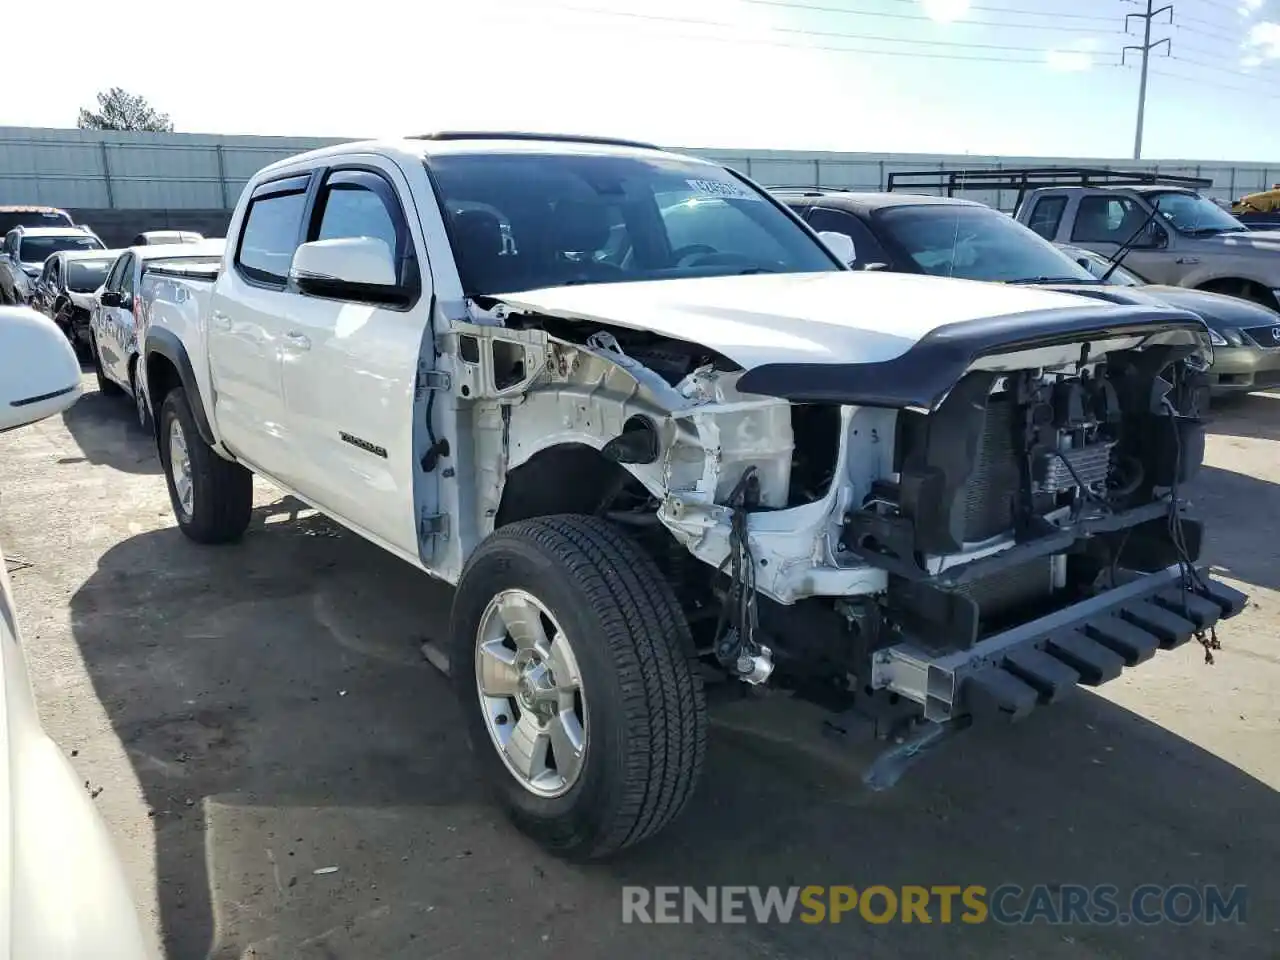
(1009, 674)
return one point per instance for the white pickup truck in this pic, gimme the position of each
(655, 430)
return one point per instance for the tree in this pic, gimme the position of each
(120, 110)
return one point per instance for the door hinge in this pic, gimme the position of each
(431, 380)
(431, 525)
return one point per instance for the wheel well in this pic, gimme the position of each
(1245, 289)
(569, 478)
(162, 376)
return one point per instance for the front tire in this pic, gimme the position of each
(574, 666)
(211, 497)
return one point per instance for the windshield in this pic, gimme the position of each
(32, 218)
(86, 276)
(1192, 213)
(523, 221)
(976, 243)
(39, 249)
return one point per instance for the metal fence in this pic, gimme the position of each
(105, 170)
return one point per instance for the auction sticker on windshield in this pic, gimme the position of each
(720, 188)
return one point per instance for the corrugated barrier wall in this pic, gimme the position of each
(122, 183)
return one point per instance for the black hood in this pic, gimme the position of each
(1217, 310)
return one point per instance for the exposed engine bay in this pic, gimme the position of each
(857, 545)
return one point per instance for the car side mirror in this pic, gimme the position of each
(840, 244)
(39, 373)
(1153, 237)
(353, 267)
(110, 298)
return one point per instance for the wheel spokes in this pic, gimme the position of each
(523, 621)
(567, 743)
(564, 667)
(498, 674)
(526, 749)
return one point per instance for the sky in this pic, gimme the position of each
(1012, 77)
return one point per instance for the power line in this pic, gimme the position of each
(795, 5)
(1196, 35)
(760, 41)
(1019, 11)
(1218, 4)
(825, 34)
(1200, 81)
(1210, 66)
(1207, 28)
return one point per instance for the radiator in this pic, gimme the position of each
(993, 487)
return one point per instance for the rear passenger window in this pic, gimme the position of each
(1046, 215)
(270, 236)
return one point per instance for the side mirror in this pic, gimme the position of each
(39, 373)
(841, 244)
(110, 298)
(346, 266)
(1153, 237)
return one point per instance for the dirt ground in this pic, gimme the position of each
(257, 712)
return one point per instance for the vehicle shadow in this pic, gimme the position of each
(106, 430)
(1252, 416)
(281, 723)
(1236, 547)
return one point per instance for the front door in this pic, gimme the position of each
(107, 322)
(1106, 220)
(350, 364)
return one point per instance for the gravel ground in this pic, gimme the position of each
(259, 712)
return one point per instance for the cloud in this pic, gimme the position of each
(1264, 41)
(948, 11)
(1249, 7)
(1076, 57)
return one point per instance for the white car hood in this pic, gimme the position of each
(836, 317)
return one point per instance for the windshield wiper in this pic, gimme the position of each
(750, 270)
(1118, 257)
(1024, 280)
(1214, 231)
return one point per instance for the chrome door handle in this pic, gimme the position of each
(298, 341)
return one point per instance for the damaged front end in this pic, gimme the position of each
(967, 530)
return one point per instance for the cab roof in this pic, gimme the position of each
(416, 149)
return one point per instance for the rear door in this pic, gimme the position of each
(249, 311)
(350, 363)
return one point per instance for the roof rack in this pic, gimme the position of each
(1023, 179)
(520, 135)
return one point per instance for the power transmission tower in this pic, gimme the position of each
(1145, 50)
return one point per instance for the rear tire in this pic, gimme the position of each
(644, 718)
(212, 498)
